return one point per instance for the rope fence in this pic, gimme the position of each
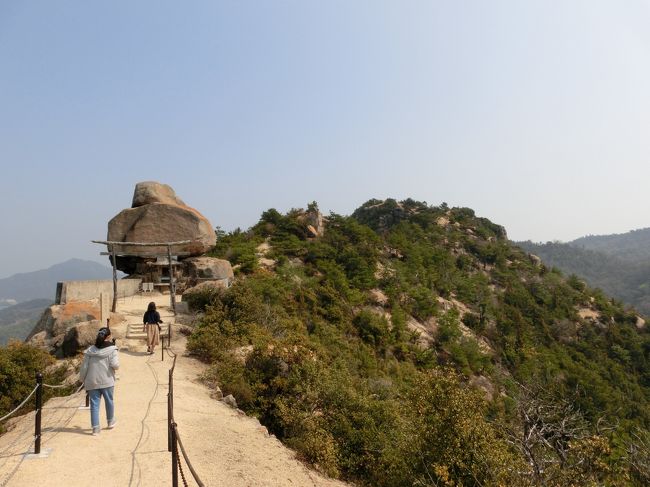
(38, 390)
(60, 386)
(173, 438)
(187, 460)
(31, 446)
(6, 416)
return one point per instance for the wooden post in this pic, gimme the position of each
(39, 409)
(172, 286)
(174, 457)
(169, 413)
(114, 259)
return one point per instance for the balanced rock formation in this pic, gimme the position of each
(158, 215)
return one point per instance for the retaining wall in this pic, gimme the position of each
(67, 291)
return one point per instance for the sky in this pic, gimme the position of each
(535, 114)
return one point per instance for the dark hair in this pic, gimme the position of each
(152, 306)
(101, 336)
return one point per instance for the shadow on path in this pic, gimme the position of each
(76, 430)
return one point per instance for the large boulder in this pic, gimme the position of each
(57, 318)
(202, 268)
(149, 192)
(65, 329)
(158, 215)
(78, 338)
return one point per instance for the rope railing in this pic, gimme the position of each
(60, 386)
(33, 446)
(187, 460)
(38, 390)
(173, 438)
(8, 415)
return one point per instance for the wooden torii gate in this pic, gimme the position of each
(113, 253)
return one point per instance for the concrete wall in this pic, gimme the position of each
(67, 291)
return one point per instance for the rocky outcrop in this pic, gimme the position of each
(230, 401)
(314, 221)
(198, 269)
(378, 297)
(158, 215)
(57, 319)
(64, 330)
(78, 338)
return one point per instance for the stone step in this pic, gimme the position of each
(137, 330)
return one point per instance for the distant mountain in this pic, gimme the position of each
(633, 246)
(18, 320)
(42, 284)
(618, 264)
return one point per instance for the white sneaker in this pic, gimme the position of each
(96, 431)
(111, 424)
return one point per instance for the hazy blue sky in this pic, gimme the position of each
(534, 113)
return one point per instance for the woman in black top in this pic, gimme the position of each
(152, 322)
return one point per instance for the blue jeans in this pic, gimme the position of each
(94, 397)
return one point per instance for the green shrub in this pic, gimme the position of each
(372, 328)
(199, 299)
(19, 364)
(448, 327)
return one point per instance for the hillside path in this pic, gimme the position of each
(225, 447)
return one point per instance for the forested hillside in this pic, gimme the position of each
(633, 246)
(626, 279)
(415, 345)
(18, 320)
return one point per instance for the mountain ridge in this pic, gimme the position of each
(18, 320)
(41, 284)
(633, 245)
(619, 264)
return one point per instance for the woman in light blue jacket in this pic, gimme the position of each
(98, 375)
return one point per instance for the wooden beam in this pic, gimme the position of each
(142, 244)
(114, 307)
(172, 287)
(146, 254)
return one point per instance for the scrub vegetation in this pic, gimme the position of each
(19, 364)
(416, 345)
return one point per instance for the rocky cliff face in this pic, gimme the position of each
(158, 215)
(64, 330)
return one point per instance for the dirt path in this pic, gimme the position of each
(225, 447)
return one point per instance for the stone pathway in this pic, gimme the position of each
(225, 447)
